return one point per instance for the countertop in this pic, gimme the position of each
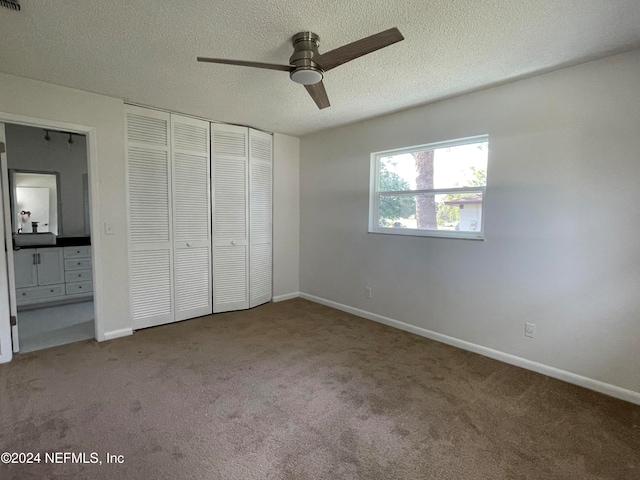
(62, 242)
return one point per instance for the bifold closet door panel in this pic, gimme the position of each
(229, 157)
(191, 217)
(260, 217)
(150, 216)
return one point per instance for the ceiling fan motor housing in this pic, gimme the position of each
(305, 49)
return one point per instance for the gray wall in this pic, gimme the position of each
(562, 222)
(27, 150)
(286, 215)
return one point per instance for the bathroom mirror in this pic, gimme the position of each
(35, 202)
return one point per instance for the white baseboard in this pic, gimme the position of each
(123, 332)
(286, 296)
(586, 382)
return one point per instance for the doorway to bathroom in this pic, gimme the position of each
(46, 214)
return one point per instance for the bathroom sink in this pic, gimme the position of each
(34, 239)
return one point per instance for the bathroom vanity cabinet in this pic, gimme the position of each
(52, 274)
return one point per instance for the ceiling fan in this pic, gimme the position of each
(307, 66)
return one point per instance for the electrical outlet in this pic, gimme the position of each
(367, 292)
(530, 330)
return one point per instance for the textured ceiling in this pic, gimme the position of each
(144, 51)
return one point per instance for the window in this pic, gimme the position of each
(430, 190)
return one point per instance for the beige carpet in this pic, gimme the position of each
(296, 390)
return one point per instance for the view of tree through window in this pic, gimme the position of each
(432, 188)
(392, 208)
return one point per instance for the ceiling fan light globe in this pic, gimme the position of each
(306, 76)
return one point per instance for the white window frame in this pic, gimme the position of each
(375, 194)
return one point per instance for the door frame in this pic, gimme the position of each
(7, 346)
(94, 206)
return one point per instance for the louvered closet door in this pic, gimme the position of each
(149, 204)
(191, 217)
(260, 219)
(229, 156)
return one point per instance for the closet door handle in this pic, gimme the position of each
(233, 242)
(189, 244)
(39, 258)
(35, 261)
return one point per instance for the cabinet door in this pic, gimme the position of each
(50, 266)
(191, 217)
(26, 268)
(229, 157)
(149, 203)
(260, 218)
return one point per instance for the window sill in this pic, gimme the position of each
(428, 233)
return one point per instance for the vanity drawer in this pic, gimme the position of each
(77, 264)
(27, 295)
(77, 252)
(77, 276)
(79, 287)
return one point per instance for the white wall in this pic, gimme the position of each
(27, 150)
(51, 102)
(562, 223)
(286, 215)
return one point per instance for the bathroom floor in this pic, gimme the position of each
(52, 326)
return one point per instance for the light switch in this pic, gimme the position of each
(108, 229)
